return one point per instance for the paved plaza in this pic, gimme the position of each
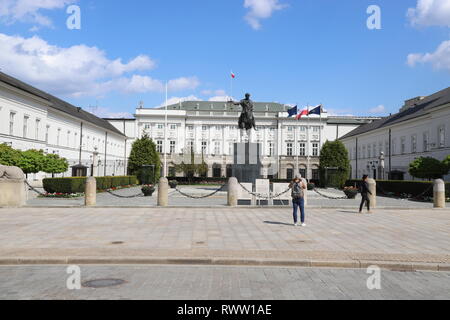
(220, 283)
(414, 239)
(219, 199)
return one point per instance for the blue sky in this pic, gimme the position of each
(289, 51)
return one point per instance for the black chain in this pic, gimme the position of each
(35, 190)
(407, 198)
(329, 197)
(199, 197)
(264, 197)
(125, 197)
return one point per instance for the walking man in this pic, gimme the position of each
(364, 188)
(298, 199)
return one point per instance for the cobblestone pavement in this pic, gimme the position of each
(220, 199)
(220, 283)
(331, 234)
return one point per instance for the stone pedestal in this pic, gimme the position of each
(13, 193)
(373, 190)
(163, 192)
(247, 162)
(90, 194)
(439, 194)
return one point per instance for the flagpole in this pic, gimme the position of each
(231, 85)
(308, 169)
(165, 138)
(297, 147)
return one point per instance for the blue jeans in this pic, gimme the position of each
(299, 203)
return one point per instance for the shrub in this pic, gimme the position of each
(78, 184)
(143, 152)
(427, 168)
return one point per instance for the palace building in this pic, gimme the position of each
(384, 148)
(211, 130)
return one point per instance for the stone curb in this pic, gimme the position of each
(221, 207)
(345, 264)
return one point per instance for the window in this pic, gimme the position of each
(25, 126)
(217, 147)
(369, 151)
(75, 139)
(364, 152)
(190, 146)
(315, 149)
(302, 129)
(12, 116)
(425, 142)
(159, 146)
(47, 130)
(68, 139)
(441, 137)
(204, 128)
(394, 146)
(315, 174)
(190, 128)
(403, 145)
(316, 129)
(386, 147)
(147, 126)
(219, 128)
(375, 154)
(173, 127)
(271, 153)
(302, 149)
(414, 144)
(160, 126)
(36, 129)
(204, 146)
(290, 128)
(172, 147)
(289, 149)
(58, 136)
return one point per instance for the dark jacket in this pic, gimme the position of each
(364, 188)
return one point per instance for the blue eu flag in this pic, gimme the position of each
(293, 112)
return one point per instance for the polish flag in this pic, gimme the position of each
(301, 114)
(233, 75)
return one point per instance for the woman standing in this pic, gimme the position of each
(298, 198)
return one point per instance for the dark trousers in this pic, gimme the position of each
(299, 203)
(365, 199)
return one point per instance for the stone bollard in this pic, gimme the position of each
(13, 191)
(163, 192)
(373, 190)
(233, 192)
(90, 195)
(439, 193)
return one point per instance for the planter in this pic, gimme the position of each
(173, 184)
(311, 186)
(148, 191)
(351, 194)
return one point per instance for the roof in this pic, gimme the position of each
(422, 108)
(225, 106)
(59, 104)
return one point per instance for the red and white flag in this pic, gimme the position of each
(233, 75)
(301, 114)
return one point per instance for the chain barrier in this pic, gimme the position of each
(200, 197)
(264, 197)
(125, 197)
(35, 190)
(329, 197)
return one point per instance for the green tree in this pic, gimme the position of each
(9, 156)
(54, 164)
(334, 164)
(446, 163)
(143, 152)
(32, 161)
(427, 168)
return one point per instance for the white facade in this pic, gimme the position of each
(28, 121)
(401, 143)
(288, 145)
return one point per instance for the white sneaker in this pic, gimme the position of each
(303, 224)
(295, 224)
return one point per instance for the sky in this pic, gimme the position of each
(297, 52)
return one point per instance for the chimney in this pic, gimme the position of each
(411, 103)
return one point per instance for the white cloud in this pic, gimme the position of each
(379, 109)
(175, 100)
(440, 59)
(105, 113)
(12, 11)
(219, 99)
(430, 13)
(261, 9)
(79, 70)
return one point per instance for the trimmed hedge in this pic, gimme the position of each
(78, 184)
(413, 188)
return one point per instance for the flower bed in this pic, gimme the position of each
(62, 195)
